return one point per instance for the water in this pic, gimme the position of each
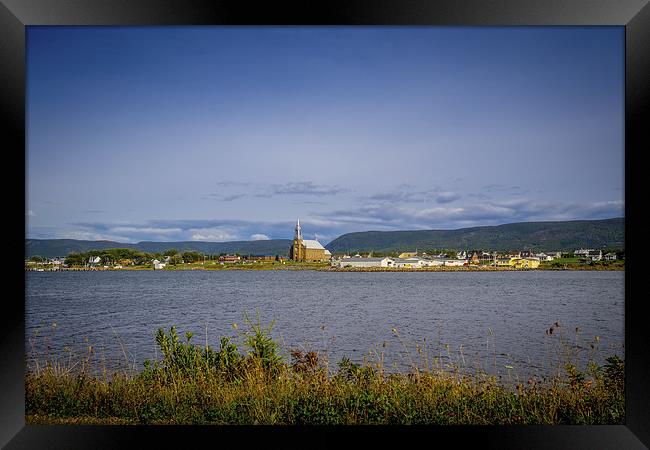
(499, 318)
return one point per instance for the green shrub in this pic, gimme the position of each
(614, 372)
(262, 349)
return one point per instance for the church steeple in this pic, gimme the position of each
(298, 231)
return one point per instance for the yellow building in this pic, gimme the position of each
(408, 255)
(504, 262)
(307, 250)
(524, 263)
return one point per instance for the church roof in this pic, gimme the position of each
(310, 243)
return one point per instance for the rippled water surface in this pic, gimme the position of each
(495, 319)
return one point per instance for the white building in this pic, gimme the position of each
(544, 257)
(364, 262)
(95, 260)
(437, 261)
(157, 265)
(590, 254)
(455, 262)
(405, 263)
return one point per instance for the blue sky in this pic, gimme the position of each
(231, 133)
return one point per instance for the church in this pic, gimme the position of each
(306, 250)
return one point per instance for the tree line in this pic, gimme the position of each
(112, 256)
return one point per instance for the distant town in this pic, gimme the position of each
(305, 253)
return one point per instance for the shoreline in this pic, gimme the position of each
(613, 268)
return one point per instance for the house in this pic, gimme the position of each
(461, 255)
(544, 257)
(157, 265)
(503, 262)
(610, 257)
(93, 261)
(474, 259)
(364, 262)
(596, 255)
(229, 258)
(486, 256)
(260, 258)
(589, 254)
(524, 263)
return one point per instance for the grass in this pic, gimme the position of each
(247, 265)
(576, 264)
(256, 384)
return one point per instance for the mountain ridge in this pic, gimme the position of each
(539, 236)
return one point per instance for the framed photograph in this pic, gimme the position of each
(344, 220)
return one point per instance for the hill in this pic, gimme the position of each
(537, 236)
(62, 247)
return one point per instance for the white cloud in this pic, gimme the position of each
(374, 216)
(146, 230)
(306, 188)
(212, 234)
(259, 237)
(92, 236)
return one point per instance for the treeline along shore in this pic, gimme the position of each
(328, 268)
(572, 264)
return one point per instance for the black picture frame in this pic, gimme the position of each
(634, 15)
